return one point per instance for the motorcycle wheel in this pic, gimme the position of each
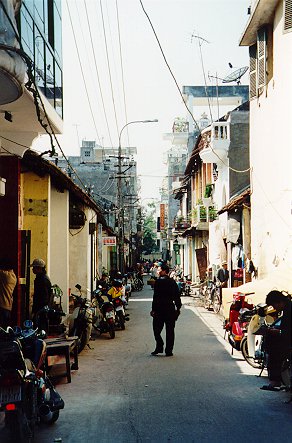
(54, 418)
(250, 360)
(207, 299)
(82, 335)
(112, 331)
(216, 302)
(286, 373)
(20, 427)
(122, 321)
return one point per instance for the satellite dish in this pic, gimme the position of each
(235, 76)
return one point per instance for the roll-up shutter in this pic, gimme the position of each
(252, 71)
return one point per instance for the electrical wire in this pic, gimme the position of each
(122, 71)
(82, 73)
(180, 93)
(97, 74)
(109, 68)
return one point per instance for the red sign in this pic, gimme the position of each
(162, 216)
(109, 241)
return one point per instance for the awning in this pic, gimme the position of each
(236, 202)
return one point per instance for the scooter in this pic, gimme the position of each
(80, 321)
(240, 313)
(252, 346)
(27, 396)
(121, 316)
(104, 316)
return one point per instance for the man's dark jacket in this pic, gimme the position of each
(166, 296)
(42, 292)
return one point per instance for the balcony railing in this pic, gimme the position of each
(201, 216)
(216, 149)
(182, 223)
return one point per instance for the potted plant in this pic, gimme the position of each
(207, 199)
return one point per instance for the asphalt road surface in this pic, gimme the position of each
(122, 394)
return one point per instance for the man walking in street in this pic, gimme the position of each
(165, 310)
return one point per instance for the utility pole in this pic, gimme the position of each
(121, 261)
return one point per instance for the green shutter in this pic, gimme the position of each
(252, 71)
(288, 15)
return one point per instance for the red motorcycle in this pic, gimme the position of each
(240, 313)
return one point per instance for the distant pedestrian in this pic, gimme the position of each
(223, 275)
(165, 310)
(8, 282)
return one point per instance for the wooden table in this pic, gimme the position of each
(64, 347)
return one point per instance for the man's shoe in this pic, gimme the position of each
(157, 351)
(168, 354)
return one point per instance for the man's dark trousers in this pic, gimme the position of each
(159, 320)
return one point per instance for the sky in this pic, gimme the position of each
(99, 100)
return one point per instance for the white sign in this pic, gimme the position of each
(109, 241)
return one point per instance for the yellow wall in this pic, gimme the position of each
(35, 213)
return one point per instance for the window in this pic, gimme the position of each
(288, 15)
(86, 153)
(262, 57)
(252, 71)
(260, 62)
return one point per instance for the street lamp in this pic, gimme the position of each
(120, 202)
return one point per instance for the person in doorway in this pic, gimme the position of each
(278, 340)
(8, 282)
(165, 310)
(223, 275)
(42, 295)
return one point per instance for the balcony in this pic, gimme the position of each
(181, 223)
(217, 145)
(201, 216)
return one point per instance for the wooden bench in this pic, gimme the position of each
(64, 347)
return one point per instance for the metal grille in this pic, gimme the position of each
(288, 15)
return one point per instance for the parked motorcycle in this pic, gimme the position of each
(103, 313)
(240, 313)
(252, 346)
(121, 316)
(80, 321)
(27, 396)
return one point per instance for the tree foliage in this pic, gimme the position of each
(149, 230)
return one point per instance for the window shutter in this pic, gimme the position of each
(262, 57)
(252, 71)
(288, 15)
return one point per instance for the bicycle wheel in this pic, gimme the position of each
(216, 301)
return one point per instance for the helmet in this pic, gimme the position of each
(117, 283)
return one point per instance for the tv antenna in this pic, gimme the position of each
(236, 75)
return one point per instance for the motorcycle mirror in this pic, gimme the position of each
(42, 334)
(78, 287)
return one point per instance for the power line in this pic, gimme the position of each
(82, 73)
(109, 68)
(97, 74)
(122, 70)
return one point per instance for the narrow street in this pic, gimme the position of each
(201, 394)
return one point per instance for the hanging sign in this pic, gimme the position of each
(109, 241)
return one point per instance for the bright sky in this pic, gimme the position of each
(150, 92)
